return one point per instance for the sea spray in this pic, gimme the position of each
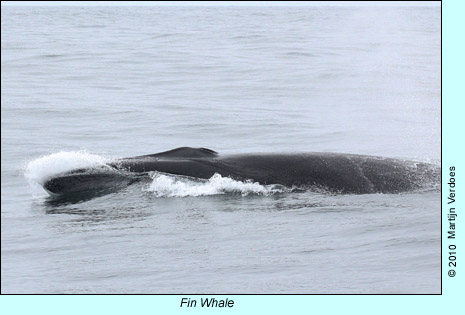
(165, 185)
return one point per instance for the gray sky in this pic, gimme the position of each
(220, 3)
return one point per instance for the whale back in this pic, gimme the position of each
(182, 152)
(333, 172)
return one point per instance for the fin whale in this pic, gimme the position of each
(334, 172)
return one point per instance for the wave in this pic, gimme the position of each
(166, 185)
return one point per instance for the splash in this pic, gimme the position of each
(164, 185)
(40, 170)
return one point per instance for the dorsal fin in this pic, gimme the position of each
(186, 152)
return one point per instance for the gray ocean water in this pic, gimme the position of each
(80, 84)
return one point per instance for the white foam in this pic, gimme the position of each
(41, 169)
(175, 186)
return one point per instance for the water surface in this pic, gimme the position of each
(117, 82)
